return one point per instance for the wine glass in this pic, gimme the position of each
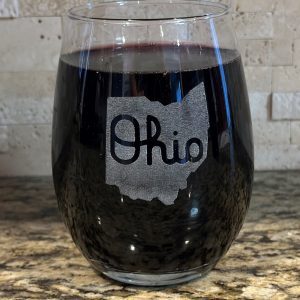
(152, 138)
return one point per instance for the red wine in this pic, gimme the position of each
(152, 155)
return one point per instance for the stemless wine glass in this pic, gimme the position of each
(152, 139)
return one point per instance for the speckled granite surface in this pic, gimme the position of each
(39, 261)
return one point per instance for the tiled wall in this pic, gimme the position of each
(30, 38)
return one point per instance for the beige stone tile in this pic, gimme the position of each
(286, 79)
(275, 6)
(296, 53)
(292, 7)
(57, 7)
(26, 97)
(9, 8)
(27, 84)
(34, 8)
(29, 151)
(29, 44)
(271, 133)
(295, 132)
(255, 52)
(286, 106)
(4, 148)
(259, 78)
(278, 7)
(260, 105)
(253, 6)
(26, 110)
(254, 25)
(277, 157)
(282, 52)
(233, 4)
(292, 27)
(280, 28)
(286, 26)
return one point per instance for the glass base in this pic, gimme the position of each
(157, 279)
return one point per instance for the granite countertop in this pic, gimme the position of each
(38, 260)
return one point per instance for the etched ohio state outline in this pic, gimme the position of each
(152, 149)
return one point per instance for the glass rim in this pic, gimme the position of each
(76, 13)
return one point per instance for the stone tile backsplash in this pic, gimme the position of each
(30, 33)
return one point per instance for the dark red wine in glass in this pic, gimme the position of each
(152, 153)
